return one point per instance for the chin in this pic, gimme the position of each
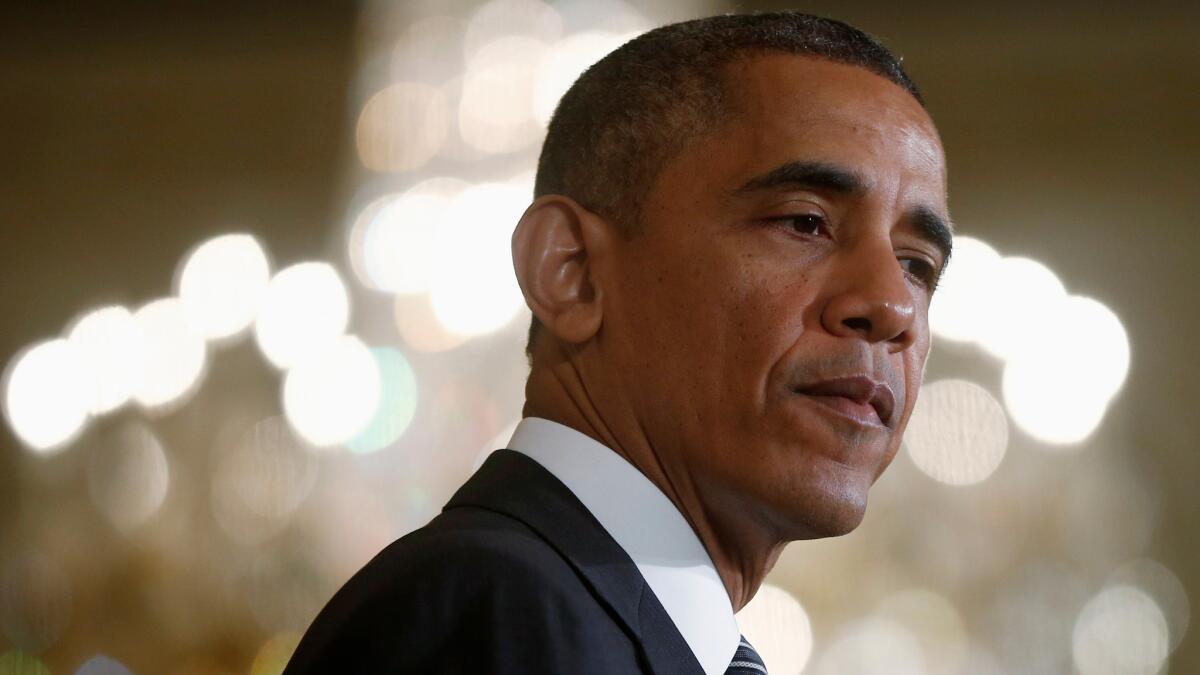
(829, 516)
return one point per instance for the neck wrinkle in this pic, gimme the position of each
(558, 392)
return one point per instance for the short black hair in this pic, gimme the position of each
(635, 109)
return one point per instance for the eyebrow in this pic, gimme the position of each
(934, 229)
(929, 226)
(817, 175)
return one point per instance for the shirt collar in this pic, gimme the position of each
(645, 523)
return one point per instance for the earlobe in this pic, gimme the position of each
(555, 246)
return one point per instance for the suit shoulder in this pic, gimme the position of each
(477, 545)
(475, 584)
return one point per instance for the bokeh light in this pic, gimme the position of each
(1022, 308)
(305, 308)
(451, 99)
(476, 290)
(1031, 618)
(1120, 631)
(108, 341)
(1065, 356)
(332, 395)
(500, 440)
(429, 50)
(271, 471)
(47, 394)
(221, 283)
(35, 601)
(393, 239)
(566, 60)
(495, 113)
(128, 476)
(937, 626)
(1161, 584)
(173, 354)
(958, 433)
(960, 310)
(420, 329)
(778, 627)
(498, 19)
(872, 646)
(1058, 393)
(102, 665)
(397, 402)
(260, 481)
(401, 127)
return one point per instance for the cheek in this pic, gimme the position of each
(914, 375)
(768, 304)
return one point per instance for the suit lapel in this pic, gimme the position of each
(512, 483)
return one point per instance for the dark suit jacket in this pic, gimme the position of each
(514, 576)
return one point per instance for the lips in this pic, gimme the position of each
(855, 396)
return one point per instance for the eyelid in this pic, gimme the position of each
(935, 273)
(795, 201)
(797, 208)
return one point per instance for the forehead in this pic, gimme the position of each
(784, 107)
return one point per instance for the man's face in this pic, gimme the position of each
(791, 246)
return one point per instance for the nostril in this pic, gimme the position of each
(858, 323)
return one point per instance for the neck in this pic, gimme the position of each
(743, 551)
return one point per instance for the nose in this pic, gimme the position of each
(871, 298)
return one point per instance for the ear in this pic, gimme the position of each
(554, 248)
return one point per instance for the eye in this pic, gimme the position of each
(923, 271)
(802, 223)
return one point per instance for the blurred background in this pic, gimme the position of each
(257, 320)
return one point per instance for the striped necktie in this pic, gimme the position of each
(746, 661)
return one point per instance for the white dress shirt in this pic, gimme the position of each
(648, 526)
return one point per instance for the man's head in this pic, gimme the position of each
(640, 105)
(731, 213)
